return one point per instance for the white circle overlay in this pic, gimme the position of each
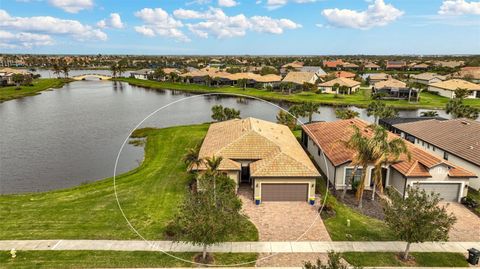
(151, 243)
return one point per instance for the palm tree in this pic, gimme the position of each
(345, 113)
(213, 164)
(114, 70)
(286, 119)
(190, 158)
(65, 69)
(310, 109)
(377, 150)
(57, 70)
(380, 110)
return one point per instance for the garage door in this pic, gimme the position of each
(448, 191)
(284, 192)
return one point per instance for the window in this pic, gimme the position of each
(348, 175)
(423, 143)
(445, 155)
(428, 146)
(433, 148)
(319, 152)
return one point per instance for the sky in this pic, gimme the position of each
(233, 27)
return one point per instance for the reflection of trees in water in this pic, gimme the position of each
(118, 86)
(176, 92)
(242, 100)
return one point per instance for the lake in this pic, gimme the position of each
(71, 136)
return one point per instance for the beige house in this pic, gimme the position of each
(423, 170)
(263, 155)
(447, 88)
(377, 77)
(300, 77)
(328, 87)
(389, 83)
(427, 78)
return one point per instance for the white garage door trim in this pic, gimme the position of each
(450, 186)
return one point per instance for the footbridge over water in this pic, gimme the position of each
(99, 76)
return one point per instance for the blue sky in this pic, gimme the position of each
(293, 27)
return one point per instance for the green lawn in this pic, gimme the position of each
(389, 259)
(475, 195)
(361, 98)
(111, 259)
(11, 92)
(149, 195)
(362, 228)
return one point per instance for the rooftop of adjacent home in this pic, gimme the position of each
(390, 83)
(453, 84)
(299, 77)
(328, 134)
(460, 137)
(340, 81)
(272, 147)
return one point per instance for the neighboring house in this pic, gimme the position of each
(389, 123)
(447, 88)
(457, 141)
(449, 64)
(345, 74)
(337, 64)
(424, 170)
(141, 74)
(313, 69)
(299, 78)
(350, 66)
(295, 65)
(396, 65)
(371, 67)
(6, 75)
(394, 89)
(419, 67)
(263, 155)
(376, 77)
(471, 74)
(328, 87)
(427, 78)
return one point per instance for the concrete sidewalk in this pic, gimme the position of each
(237, 247)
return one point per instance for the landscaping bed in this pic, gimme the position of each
(149, 195)
(421, 259)
(369, 208)
(112, 259)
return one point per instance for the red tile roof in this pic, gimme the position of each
(328, 134)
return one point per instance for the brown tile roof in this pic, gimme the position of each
(390, 83)
(428, 76)
(341, 81)
(344, 74)
(460, 137)
(453, 84)
(332, 64)
(371, 65)
(300, 77)
(272, 147)
(294, 64)
(379, 76)
(328, 134)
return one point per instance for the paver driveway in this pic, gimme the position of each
(284, 221)
(467, 227)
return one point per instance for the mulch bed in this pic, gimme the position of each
(370, 208)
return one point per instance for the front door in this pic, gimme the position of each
(245, 174)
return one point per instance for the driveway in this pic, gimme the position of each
(467, 227)
(284, 221)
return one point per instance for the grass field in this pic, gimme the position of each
(361, 98)
(111, 259)
(11, 92)
(362, 227)
(422, 259)
(149, 196)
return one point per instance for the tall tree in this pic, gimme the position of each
(418, 218)
(242, 83)
(345, 113)
(287, 119)
(458, 109)
(57, 70)
(18, 79)
(191, 157)
(208, 216)
(65, 70)
(114, 70)
(310, 109)
(220, 113)
(379, 109)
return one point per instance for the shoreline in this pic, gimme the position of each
(39, 85)
(360, 99)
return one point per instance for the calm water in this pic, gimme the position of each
(70, 136)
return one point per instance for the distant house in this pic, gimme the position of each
(423, 169)
(345, 74)
(371, 67)
(6, 75)
(449, 64)
(456, 141)
(394, 89)
(419, 67)
(396, 65)
(349, 66)
(313, 69)
(351, 85)
(263, 155)
(427, 78)
(377, 77)
(141, 74)
(337, 64)
(468, 73)
(293, 66)
(447, 88)
(299, 78)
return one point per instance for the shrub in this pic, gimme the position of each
(469, 202)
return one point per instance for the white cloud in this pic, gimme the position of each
(214, 22)
(377, 14)
(158, 22)
(50, 25)
(72, 6)
(274, 4)
(115, 21)
(459, 7)
(25, 40)
(227, 3)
